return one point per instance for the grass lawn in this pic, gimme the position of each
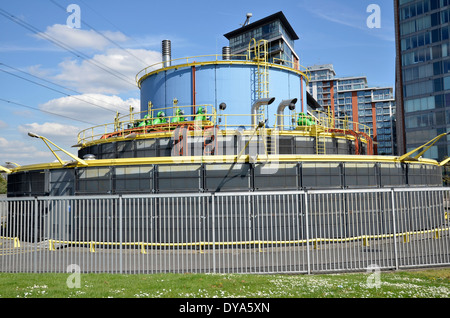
(432, 283)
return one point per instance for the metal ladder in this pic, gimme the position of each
(320, 140)
(261, 55)
(260, 51)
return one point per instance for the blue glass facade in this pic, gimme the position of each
(423, 73)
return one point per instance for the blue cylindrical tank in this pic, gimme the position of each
(233, 83)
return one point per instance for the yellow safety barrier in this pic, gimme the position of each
(256, 243)
(15, 240)
(406, 238)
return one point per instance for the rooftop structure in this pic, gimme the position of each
(276, 30)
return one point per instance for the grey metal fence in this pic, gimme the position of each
(257, 232)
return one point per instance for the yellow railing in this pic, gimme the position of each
(405, 237)
(189, 60)
(303, 69)
(144, 123)
(215, 58)
(148, 121)
(321, 119)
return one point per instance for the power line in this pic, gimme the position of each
(65, 46)
(28, 80)
(44, 111)
(103, 35)
(55, 90)
(114, 25)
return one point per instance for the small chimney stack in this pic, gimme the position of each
(166, 53)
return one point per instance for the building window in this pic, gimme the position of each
(447, 83)
(418, 89)
(419, 104)
(424, 120)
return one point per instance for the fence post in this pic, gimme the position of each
(120, 235)
(35, 233)
(394, 224)
(213, 225)
(308, 257)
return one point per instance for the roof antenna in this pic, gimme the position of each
(249, 15)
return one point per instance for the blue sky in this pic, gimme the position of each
(57, 92)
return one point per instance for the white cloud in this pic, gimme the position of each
(80, 38)
(53, 131)
(80, 107)
(20, 152)
(60, 134)
(113, 72)
(8, 48)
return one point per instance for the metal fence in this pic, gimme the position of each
(257, 232)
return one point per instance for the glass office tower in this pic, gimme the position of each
(423, 74)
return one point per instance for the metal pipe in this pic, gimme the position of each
(166, 53)
(226, 53)
(287, 102)
(259, 103)
(5, 169)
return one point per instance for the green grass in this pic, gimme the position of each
(434, 283)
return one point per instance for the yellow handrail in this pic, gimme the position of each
(127, 123)
(187, 60)
(212, 58)
(324, 120)
(364, 239)
(306, 72)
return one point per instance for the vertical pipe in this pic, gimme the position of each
(226, 53)
(194, 92)
(166, 53)
(303, 107)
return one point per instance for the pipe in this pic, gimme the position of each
(259, 103)
(226, 53)
(280, 110)
(8, 171)
(194, 90)
(166, 53)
